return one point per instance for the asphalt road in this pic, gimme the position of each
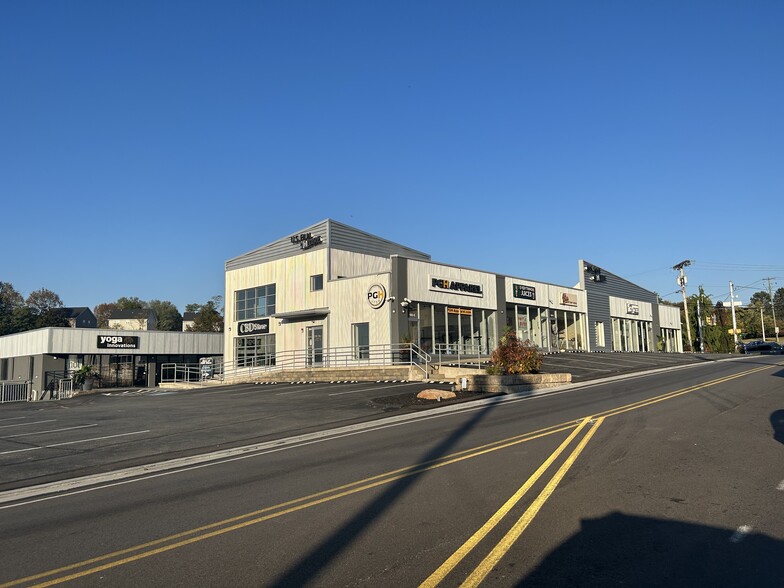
(667, 479)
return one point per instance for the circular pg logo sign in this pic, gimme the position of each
(376, 296)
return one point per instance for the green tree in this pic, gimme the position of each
(46, 307)
(209, 316)
(130, 303)
(169, 318)
(10, 300)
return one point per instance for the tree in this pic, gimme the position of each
(169, 318)
(103, 311)
(10, 300)
(46, 307)
(132, 303)
(209, 316)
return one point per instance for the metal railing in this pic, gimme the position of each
(336, 357)
(16, 391)
(460, 354)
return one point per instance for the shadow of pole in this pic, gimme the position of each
(777, 422)
(311, 564)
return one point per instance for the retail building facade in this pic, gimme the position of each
(121, 358)
(332, 286)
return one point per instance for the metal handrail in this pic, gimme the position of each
(336, 357)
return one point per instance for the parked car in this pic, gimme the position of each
(762, 347)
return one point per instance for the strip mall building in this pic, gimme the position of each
(332, 286)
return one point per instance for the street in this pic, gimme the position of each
(674, 478)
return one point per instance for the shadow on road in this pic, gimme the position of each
(623, 550)
(777, 422)
(311, 564)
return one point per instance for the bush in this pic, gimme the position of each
(513, 356)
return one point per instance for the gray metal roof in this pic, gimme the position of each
(332, 234)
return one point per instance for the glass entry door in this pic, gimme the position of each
(315, 345)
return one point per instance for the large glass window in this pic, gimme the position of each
(255, 351)
(255, 302)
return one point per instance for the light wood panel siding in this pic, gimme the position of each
(346, 264)
(349, 305)
(619, 308)
(420, 274)
(669, 317)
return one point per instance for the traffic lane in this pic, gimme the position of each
(142, 429)
(478, 481)
(684, 494)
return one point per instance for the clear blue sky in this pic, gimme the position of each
(142, 144)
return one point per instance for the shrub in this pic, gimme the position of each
(513, 356)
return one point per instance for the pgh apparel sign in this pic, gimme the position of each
(456, 287)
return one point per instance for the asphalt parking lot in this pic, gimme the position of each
(112, 429)
(592, 366)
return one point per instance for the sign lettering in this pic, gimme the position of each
(258, 327)
(118, 342)
(455, 287)
(525, 292)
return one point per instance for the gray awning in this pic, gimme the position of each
(299, 315)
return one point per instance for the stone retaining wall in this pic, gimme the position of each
(510, 384)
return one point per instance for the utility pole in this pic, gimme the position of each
(732, 306)
(699, 326)
(682, 283)
(773, 308)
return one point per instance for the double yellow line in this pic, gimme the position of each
(175, 541)
(495, 555)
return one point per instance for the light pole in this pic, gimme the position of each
(682, 283)
(734, 322)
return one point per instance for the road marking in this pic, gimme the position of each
(450, 564)
(522, 523)
(780, 486)
(25, 424)
(73, 442)
(352, 488)
(740, 534)
(13, 419)
(275, 511)
(368, 389)
(49, 431)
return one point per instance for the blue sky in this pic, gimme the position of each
(143, 144)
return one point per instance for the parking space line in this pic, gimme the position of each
(73, 442)
(25, 424)
(49, 431)
(13, 419)
(367, 389)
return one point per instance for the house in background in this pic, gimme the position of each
(137, 319)
(79, 317)
(188, 320)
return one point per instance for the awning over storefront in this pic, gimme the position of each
(301, 315)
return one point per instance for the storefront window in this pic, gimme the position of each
(255, 351)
